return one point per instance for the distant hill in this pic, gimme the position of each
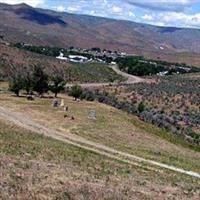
(22, 23)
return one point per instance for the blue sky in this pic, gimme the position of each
(180, 13)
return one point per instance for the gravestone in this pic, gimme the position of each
(92, 115)
(66, 108)
(30, 98)
(55, 103)
(62, 104)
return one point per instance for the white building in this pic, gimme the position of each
(61, 57)
(78, 59)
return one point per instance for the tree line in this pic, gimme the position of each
(139, 66)
(36, 80)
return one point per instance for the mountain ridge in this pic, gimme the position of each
(23, 23)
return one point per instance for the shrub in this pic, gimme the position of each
(141, 107)
(76, 91)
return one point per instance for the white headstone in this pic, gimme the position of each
(92, 114)
(62, 104)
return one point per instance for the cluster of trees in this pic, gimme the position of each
(132, 65)
(48, 51)
(36, 80)
(142, 67)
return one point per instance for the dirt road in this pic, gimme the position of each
(130, 80)
(24, 121)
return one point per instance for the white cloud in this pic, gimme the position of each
(92, 12)
(147, 17)
(60, 8)
(116, 9)
(131, 14)
(176, 19)
(33, 3)
(165, 5)
(72, 9)
(180, 18)
(105, 1)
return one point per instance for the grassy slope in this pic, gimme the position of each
(113, 128)
(34, 167)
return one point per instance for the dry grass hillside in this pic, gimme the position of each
(38, 167)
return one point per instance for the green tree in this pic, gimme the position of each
(76, 91)
(28, 82)
(57, 84)
(40, 80)
(15, 85)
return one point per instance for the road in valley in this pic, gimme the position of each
(130, 80)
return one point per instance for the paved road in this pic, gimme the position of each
(130, 80)
(24, 121)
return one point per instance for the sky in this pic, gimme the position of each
(178, 13)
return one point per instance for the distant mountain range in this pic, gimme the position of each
(22, 23)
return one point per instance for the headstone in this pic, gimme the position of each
(62, 104)
(92, 114)
(55, 103)
(30, 98)
(66, 108)
(72, 118)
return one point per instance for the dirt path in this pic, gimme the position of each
(130, 80)
(24, 121)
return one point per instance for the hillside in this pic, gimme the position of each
(56, 167)
(15, 59)
(39, 167)
(22, 23)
